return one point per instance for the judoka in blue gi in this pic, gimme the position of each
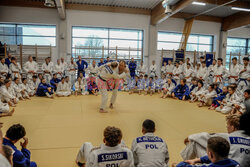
(218, 99)
(101, 62)
(81, 66)
(181, 91)
(217, 89)
(54, 82)
(44, 89)
(108, 60)
(132, 68)
(21, 158)
(218, 150)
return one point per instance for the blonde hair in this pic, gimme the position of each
(234, 120)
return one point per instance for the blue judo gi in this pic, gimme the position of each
(53, 83)
(43, 89)
(132, 68)
(81, 67)
(220, 97)
(181, 91)
(20, 158)
(205, 160)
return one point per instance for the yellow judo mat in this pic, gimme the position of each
(56, 128)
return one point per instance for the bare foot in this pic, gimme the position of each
(111, 106)
(103, 111)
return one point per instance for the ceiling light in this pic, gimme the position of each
(199, 3)
(241, 9)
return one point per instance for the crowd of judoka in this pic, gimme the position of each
(214, 86)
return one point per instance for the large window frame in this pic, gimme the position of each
(19, 39)
(108, 48)
(177, 42)
(245, 47)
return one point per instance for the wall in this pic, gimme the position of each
(240, 32)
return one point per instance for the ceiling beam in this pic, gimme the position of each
(158, 13)
(238, 3)
(182, 15)
(60, 4)
(107, 9)
(237, 20)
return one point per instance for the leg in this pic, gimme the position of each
(104, 94)
(33, 164)
(113, 98)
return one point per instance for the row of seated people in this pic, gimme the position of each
(229, 149)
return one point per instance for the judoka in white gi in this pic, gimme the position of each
(153, 69)
(30, 67)
(168, 87)
(15, 68)
(170, 68)
(188, 74)
(5, 109)
(206, 98)
(58, 69)
(7, 95)
(72, 66)
(164, 68)
(220, 73)
(234, 72)
(63, 88)
(109, 78)
(197, 91)
(244, 76)
(150, 150)
(47, 70)
(177, 72)
(80, 86)
(142, 69)
(4, 70)
(111, 153)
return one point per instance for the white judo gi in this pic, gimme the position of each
(4, 70)
(150, 151)
(4, 107)
(143, 69)
(30, 66)
(63, 89)
(168, 87)
(177, 72)
(153, 70)
(234, 73)
(243, 83)
(227, 106)
(59, 70)
(15, 70)
(220, 73)
(47, 71)
(6, 94)
(72, 66)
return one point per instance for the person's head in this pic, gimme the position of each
(214, 62)
(47, 60)
(93, 62)
(54, 76)
(62, 79)
(203, 64)
(40, 76)
(145, 76)
(233, 123)
(188, 65)
(148, 126)
(2, 60)
(101, 60)
(151, 79)
(156, 77)
(153, 62)
(15, 133)
(181, 62)
(9, 55)
(217, 149)
(30, 58)
(202, 58)
(224, 89)
(247, 94)
(187, 60)
(79, 79)
(194, 81)
(132, 59)
(72, 59)
(215, 85)
(16, 80)
(198, 66)
(169, 81)
(62, 60)
(24, 80)
(34, 78)
(136, 78)
(141, 63)
(200, 83)
(79, 58)
(231, 90)
(108, 59)
(245, 61)
(58, 61)
(13, 60)
(234, 60)
(7, 83)
(220, 61)
(122, 65)
(67, 78)
(164, 63)
(112, 136)
(245, 122)
(43, 80)
(183, 82)
(169, 61)
(114, 65)
(141, 76)
(8, 153)
(177, 64)
(211, 87)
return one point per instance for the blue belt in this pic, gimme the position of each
(245, 80)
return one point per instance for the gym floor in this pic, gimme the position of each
(56, 128)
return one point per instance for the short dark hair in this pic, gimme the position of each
(23, 79)
(220, 59)
(15, 132)
(112, 136)
(201, 82)
(246, 58)
(6, 81)
(34, 76)
(15, 78)
(219, 146)
(247, 91)
(212, 86)
(184, 80)
(148, 125)
(234, 58)
(245, 122)
(145, 75)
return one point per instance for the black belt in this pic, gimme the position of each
(102, 78)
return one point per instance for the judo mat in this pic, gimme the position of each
(56, 128)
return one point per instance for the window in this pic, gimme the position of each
(13, 34)
(170, 41)
(236, 46)
(89, 42)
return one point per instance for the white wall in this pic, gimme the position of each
(31, 16)
(240, 32)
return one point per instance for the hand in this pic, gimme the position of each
(186, 141)
(191, 162)
(25, 143)
(174, 164)
(183, 98)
